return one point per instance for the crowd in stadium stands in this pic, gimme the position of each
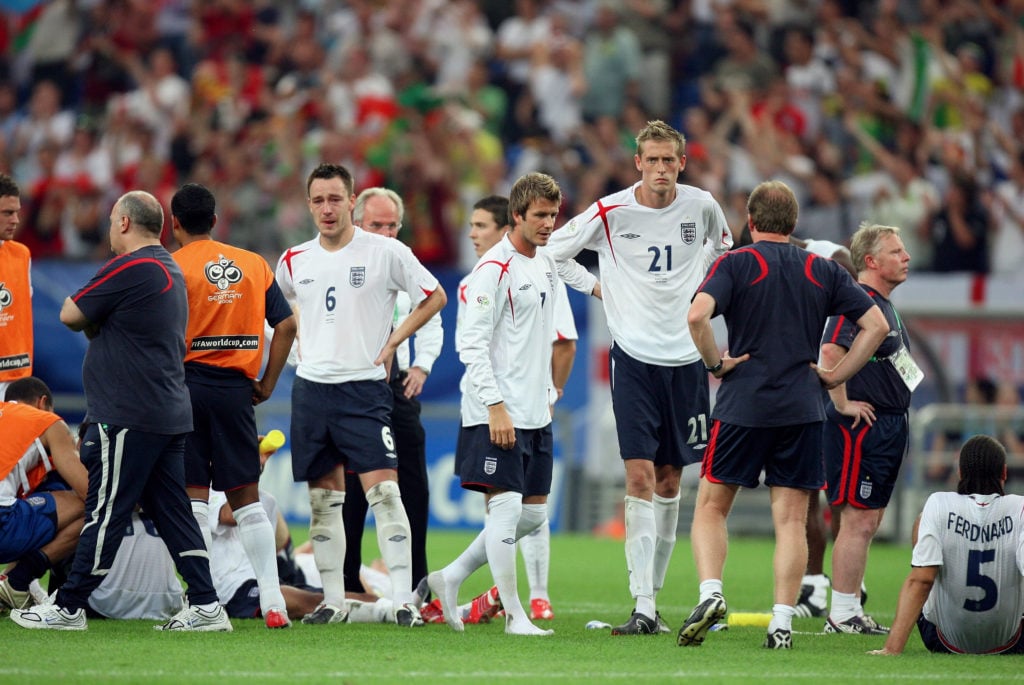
(903, 113)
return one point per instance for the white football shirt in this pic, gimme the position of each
(978, 596)
(651, 263)
(142, 581)
(504, 336)
(346, 302)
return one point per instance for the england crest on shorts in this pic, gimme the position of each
(357, 276)
(865, 489)
(688, 232)
(490, 465)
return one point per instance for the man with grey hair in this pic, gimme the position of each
(134, 312)
(381, 210)
(866, 431)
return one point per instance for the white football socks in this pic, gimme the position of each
(536, 549)
(393, 537)
(257, 537)
(327, 532)
(666, 521)
(640, 534)
(201, 513)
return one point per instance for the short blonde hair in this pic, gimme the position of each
(659, 130)
(866, 241)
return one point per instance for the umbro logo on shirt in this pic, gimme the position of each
(630, 236)
(305, 281)
(526, 287)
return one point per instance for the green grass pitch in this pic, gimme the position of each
(588, 581)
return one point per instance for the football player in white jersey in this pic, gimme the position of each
(965, 589)
(343, 285)
(505, 443)
(488, 225)
(654, 241)
(381, 211)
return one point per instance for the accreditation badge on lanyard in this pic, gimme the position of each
(907, 368)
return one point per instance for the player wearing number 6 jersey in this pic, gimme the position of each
(343, 286)
(968, 564)
(654, 242)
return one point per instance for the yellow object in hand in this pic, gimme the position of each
(271, 441)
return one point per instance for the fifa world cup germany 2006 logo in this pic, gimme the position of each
(6, 296)
(222, 273)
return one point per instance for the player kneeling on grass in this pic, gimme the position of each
(37, 529)
(965, 589)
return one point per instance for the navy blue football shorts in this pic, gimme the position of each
(341, 423)
(526, 468)
(790, 456)
(863, 463)
(661, 412)
(222, 449)
(27, 525)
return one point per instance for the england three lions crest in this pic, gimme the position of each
(357, 276)
(688, 232)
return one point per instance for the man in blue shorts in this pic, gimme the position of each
(654, 241)
(134, 312)
(231, 295)
(37, 529)
(344, 283)
(775, 298)
(505, 442)
(866, 434)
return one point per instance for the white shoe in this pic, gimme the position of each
(193, 618)
(49, 617)
(11, 598)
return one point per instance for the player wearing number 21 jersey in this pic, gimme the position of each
(654, 241)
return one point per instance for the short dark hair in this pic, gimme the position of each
(28, 391)
(773, 208)
(195, 208)
(8, 188)
(497, 205)
(326, 171)
(982, 467)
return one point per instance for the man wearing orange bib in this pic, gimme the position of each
(231, 292)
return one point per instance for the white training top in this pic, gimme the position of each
(428, 339)
(822, 248)
(651, 262)
(142, 582)
(346, 302)
(505, 335)
(978, 541)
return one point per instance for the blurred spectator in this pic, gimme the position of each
(557, 82)
(52, 45)
(612, 64)
(959, 231)
(44, 123)
(1008, 216)
(85, 158)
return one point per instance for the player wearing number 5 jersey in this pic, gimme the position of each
(654, 242)
(343, 285)
(968, 563)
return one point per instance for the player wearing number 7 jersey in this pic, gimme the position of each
(654, 241)
(967, 567)
(343, 285)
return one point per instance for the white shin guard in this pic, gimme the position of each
(327, 533)
(393, 537)
(640, 535)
